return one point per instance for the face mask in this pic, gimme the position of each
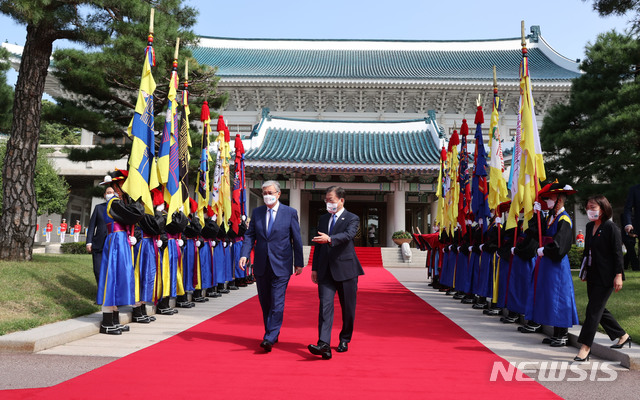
(332, 207)
(110, 196)
(269, 199)
(550, 203)
(593, 215)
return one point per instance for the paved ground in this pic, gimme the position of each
(60, 363)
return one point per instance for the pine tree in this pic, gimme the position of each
(593, 142)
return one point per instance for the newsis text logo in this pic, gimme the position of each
(553, 371)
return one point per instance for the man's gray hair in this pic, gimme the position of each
(275, 184)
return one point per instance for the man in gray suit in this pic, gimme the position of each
(335, 268)
(274, 234)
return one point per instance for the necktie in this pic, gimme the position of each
(333, 222)
(269, 221)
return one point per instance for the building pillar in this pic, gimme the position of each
(434, 212)
(305, 198)
(294, 194)
(399, 206)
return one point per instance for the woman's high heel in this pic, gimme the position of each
(621, 345)
(576, 358)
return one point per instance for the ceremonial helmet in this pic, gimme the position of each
(555, 188)
(115, 176)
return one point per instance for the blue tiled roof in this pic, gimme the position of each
(256, 62)
(373, 148)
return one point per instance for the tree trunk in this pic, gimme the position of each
(18, 220)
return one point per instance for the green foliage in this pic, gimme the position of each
(56, 133)
(593, 141)
(575, 256)
(51, 288)
(6, 93)
(401, 235)
(74, 248)
(52, 191)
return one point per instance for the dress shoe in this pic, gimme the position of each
(560, 342)
(342, 347)
(621, 345)
(493, 311)
(548, 340)
(480, 306)
(508, 320)
(266, 345)
(321, 349)
(530, 328)
(576, 358)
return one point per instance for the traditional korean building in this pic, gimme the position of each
(370, 116)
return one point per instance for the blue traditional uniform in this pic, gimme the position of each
(117, 279)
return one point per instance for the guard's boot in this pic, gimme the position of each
(183, 302)
(116, 322)
(198, 297)
(222, 289)
(143, 309)
(137, 316)
(107, 326)
(240, 282)
(164, 309)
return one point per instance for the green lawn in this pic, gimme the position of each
(53, 287)
(623, 305)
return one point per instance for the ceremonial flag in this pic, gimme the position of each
(239, 194)
(225, 184)
(141, 160)
(203, 189)
(531, 170)
(168, 157)
(440, 192)
(497, 184)
(216, 204)
(464, 202)
(479, 189)
(184, 142)
(451, 185)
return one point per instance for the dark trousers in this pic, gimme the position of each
(598, 314)
(271, 292)
(630, 258)
(97, 261)
(347, 291)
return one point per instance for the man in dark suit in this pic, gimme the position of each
(274, 234)
(631, 223)
(335, 268)
(97, 233)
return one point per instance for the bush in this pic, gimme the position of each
(74, 248)
(575, 256)
(401, 235)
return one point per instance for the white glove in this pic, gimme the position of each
(224, 244)
(198, 243)
(214, 218)
(513, 249)
(214, 243)
(244, 217)
(450, 247)
(481, 222)
(481, 246)
(537, 206)
(540, 251)
(160, 207)
(498, 220)
(459, 247)
(133, 240)
(470, 248)
(180, 242)
(181, 209)
(159, 243)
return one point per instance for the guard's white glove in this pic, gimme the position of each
(159, 243)
(537, 206)
(540, 251)
(498, 220)
(214, 243)
(450, 247)
(244, 217)
(160, 207)
(198, 243)
(513, 249)
(481, 246)
(470, 248)
(180, 242)
(459, 247)
(214, 218)
(133, 240)
(181, 209)
(224, 244)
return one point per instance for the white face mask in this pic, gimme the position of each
(269, 199)
(110, 196)
(332, 207)
(593, 215)
(550, 203)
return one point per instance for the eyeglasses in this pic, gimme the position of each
(269, 193)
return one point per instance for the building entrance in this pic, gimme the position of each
(373, 216)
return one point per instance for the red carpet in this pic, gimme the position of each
(402, 349)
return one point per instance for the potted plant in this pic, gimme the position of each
(400, 237)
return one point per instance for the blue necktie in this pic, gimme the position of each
(333, 222)
(269, 221)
